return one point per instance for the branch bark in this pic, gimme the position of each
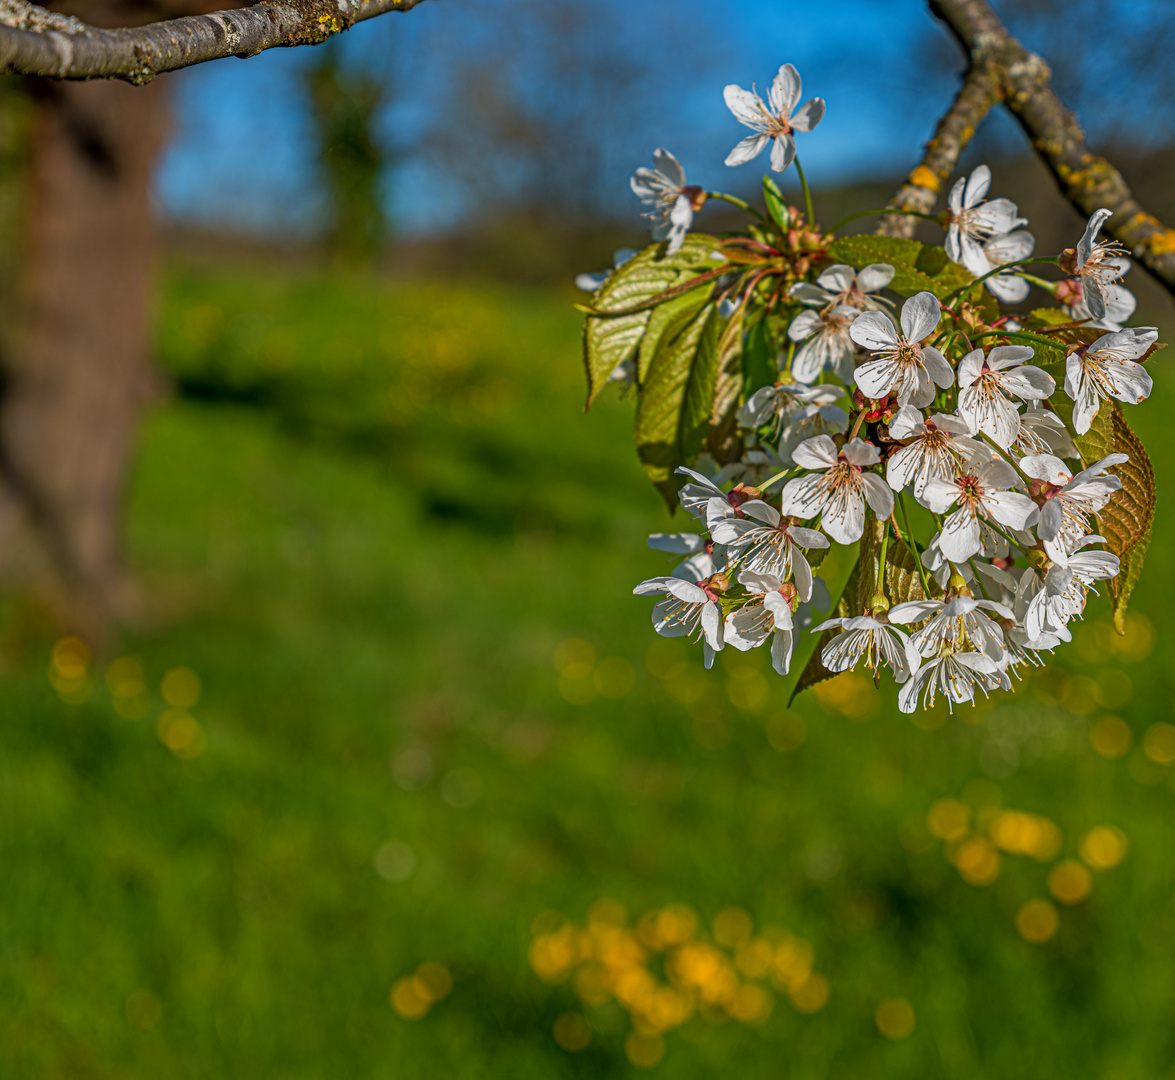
(34, 41)
(980, 92)
(1086, 179)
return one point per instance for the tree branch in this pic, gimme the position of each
(34, 41)
(981, 90)
(1086, 179)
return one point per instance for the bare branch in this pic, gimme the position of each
(981, 90)
(34, 41)
(1086, 179)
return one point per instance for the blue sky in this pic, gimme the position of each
(243, 139)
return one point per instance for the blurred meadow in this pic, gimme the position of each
(386, 773)
(397, 777)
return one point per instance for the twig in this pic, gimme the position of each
(1086, 179)
(979, 93)
(34, 41)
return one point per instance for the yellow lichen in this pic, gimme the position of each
(925, 177)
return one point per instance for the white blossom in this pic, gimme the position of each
(1043, 432)
(827, 343)
(1097, 264)
(974, 220)
(781, 401)
(757, 465)
(840, 491)
(842, 285)
(865, 637)
(956, 623)
(1119, 303)
(809, 421)
(1062, 594)
(1107, 368)
(664, 189)
(940, 567)
(1000, 250)
(979, 494)
(777, 119)
(901, 365)
(1069, 499)
(987, 385)
(939, 445)
(955, 676)
(687, 607)
(766, 544)
(769, 615)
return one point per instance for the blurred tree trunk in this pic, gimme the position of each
(346, 101)
(77, 374)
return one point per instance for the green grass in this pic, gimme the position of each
(367, 523)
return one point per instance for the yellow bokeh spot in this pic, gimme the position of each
(574, 658)
(1137, 641)
(852, 694)
(71, 658)
(407, 999)
(1037, 921)
(674, 924)
(580, 691)
(181, 734)
(748, 690)
(572, 1031)
(755, 958)
(732, 927)
(614, 677)
(181, 688)
(812, 996)
(1104, 847)
(792, 965)
(1020, 833)
(949, 819)
(644, 1051)
(124, 677)
(786, 731)
(553, 955)
(1111, 736)
(433, 981)
(1070, 882)
(1159, 743)
(895, 1018)
(751, 1004)
(977, 861)
(608, 913)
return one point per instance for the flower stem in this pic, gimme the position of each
(734, 200)
(807, 191)
(879, 602)
(1048, 286)
(880, 213)
(913, 546)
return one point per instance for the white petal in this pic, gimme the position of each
(879, 495)
(745, 105)
(874, 330)
(939, 495)
(783, 152)
(786, 88)
(817, 453)
(1010, 508)
(808, 115)
(747, 150)
(977, 184)
(860, 453)
(960, 538)
(875, 276)
(920, 315)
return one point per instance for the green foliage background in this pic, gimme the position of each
(367, 520)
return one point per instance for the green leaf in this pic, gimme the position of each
(667, 321)
(760, 367)
(725, 444)
(675, 401)
(1047, 316)
(607, 343)
(902, 584)
(776, 203)
(918, 267)
(1128, 518)
(609, 340)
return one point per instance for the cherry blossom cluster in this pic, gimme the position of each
(886, 401)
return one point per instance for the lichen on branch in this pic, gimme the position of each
(34, 41)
